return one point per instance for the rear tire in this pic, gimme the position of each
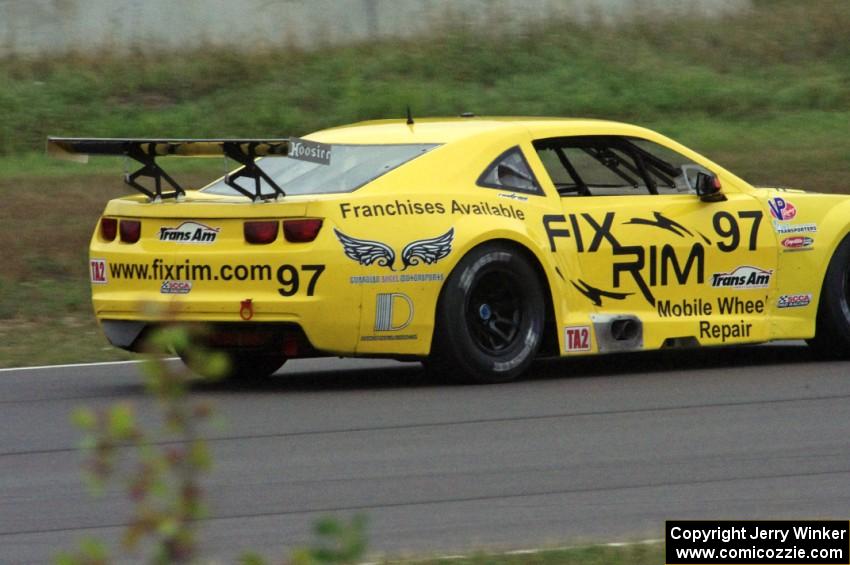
(832, 331)
(490, 317)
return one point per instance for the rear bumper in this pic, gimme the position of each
(288, 339)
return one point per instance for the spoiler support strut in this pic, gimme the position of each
(145, 151)
(245, 154)
(152, 170)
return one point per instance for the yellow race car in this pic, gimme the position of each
(473, 244)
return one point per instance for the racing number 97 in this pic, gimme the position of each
(726, 226)
(290, 281)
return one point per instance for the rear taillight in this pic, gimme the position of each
(261, 232)
(301, 231)
(108, 228)
(130, 230)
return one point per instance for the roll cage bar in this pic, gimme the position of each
(646, 165)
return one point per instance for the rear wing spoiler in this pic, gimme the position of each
(145, 151)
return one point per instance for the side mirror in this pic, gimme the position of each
(708, 188)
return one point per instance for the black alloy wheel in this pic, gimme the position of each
(490, 317)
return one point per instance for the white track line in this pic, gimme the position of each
(72, 365)
(532, 551)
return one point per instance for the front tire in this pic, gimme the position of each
(832, 332)
(490, 317)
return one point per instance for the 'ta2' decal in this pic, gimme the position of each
(577, 338)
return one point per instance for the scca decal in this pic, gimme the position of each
(175, 287)
(794, 300)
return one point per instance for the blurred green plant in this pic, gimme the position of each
(162, 468)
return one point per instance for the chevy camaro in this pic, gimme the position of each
(472, 244)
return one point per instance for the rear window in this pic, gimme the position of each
(351, 167)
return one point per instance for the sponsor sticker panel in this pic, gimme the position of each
(794, 300)
(787, 229)
(97, 269)
(745, 277)
(797, 243)
(782, 209)
(577, 338)
(175, 287)
(190, 232)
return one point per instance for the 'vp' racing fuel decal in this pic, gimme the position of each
(366, 252)
(781, 209)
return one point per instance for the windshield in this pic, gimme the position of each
(351, 166)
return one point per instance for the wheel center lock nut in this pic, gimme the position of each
(485, 312)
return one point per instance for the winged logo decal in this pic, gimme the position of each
(427, 250)
(367, 252)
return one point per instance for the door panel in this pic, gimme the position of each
(686, 268)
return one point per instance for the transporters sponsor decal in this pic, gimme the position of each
(782, 229)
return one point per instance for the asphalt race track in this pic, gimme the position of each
(600, 449)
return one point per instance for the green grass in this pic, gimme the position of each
(766, 94)
(637, 554)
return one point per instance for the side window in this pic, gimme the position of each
(510, 171)
(685, 177)
(612, 166)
